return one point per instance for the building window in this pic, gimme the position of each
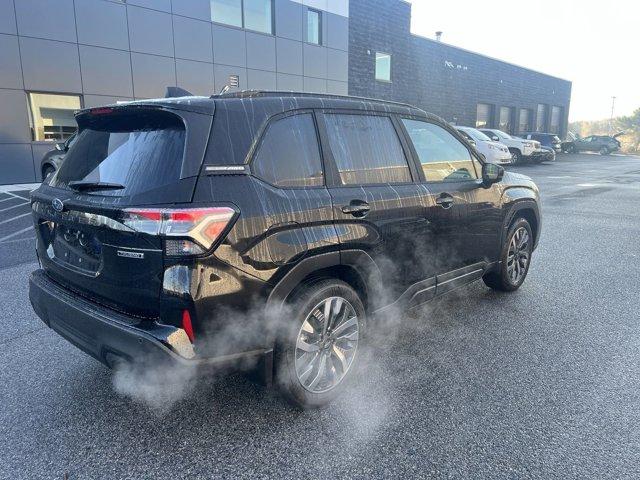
(505, 120)
(314, 27)
(383, 67)
(228, 12)
(254, 15)
(523, 121)
(541, 118)
(483, 115)
(556, 117)
(51, 116)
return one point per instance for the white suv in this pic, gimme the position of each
(494, 152)
(520, 149)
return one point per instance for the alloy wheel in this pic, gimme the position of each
(519, 255)
(326, 345)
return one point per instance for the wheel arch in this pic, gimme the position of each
(354, 267)
(44, 166)
(527, 209)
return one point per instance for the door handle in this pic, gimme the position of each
(445, 201)
(357, 208)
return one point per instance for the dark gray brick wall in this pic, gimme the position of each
(439, 78)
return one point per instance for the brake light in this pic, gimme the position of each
(101, 111)
(191, 231)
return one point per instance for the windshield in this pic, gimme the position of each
(477, 135)
(140, 153)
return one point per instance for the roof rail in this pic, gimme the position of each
(272, 93)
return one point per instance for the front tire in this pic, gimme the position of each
(318, 353)
(516, 156)
(514, 259)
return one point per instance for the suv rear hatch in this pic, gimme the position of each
(125, 158)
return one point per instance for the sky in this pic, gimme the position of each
(593, 43)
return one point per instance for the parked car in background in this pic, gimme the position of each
(520, 148)
(494, 152)
(168, 238)
(52, 160)
(546, 140)
(548, 154)
(603, 144)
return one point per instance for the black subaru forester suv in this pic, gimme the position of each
(267, 230)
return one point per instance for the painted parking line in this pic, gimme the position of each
(15, 234)
(14, 206)
(17, 196)
(15, 218)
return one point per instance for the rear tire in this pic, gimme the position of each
(316, 359)
(604, 151)
(514, 259)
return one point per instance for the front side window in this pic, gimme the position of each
(289, 155)
(254, 15)
(443, 157)
(366, 150)
(314, 27)
(383, 67)
(52, 116)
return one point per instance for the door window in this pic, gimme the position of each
(366, 150)
(289, 155)
(443, 157)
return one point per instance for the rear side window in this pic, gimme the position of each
(289, 155)
(443, 157)
(139, 152)
(366, 149)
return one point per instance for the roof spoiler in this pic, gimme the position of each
(176, 92)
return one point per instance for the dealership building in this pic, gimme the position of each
(57, 56)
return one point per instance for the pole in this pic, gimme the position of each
(613, 106)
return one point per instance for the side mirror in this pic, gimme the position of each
(495, 138)
(60, 147)
(491, 173)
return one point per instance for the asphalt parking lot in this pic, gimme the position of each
(543, 383)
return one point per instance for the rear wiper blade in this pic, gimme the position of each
(82, 186)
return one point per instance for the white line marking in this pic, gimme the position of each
(15, 234)
(14, 218)
(17, 196)
(14, 206)
(18, 240)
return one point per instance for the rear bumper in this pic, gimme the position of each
(110, 336)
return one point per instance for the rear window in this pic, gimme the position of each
(139, 152)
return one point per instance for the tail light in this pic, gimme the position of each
(187, 326)
(188, 231)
